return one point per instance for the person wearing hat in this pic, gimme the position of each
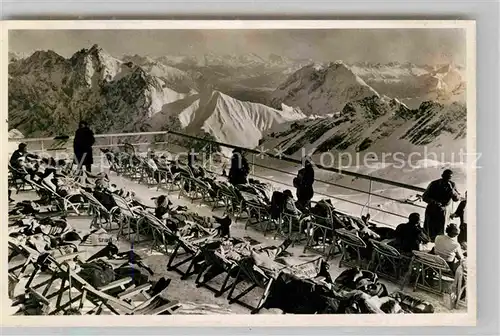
(18, 153)
(448, 248)
(82, 146)
(438, 196)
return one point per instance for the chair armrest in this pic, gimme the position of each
(115, 284)
(131, 292)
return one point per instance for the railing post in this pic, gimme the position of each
(253, 164)
(369, 195)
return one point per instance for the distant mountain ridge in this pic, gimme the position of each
(236, 99)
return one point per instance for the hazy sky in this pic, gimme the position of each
(372, 45)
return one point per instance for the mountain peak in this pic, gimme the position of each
(322, 89)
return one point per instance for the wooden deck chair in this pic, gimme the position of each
(162, 236)
(257, 278)
(386, 261)
(31, 256)
(214, 260)
(427, 266)
(55, 301)
(128, 218)
(350, 244)
(258, 214)
(121, 302)
(191, 247)
(101, 217)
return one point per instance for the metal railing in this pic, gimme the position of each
(383, 206)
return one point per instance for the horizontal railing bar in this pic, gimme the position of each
(104, 135)
(339, 185)
(337, 198)
(288, 159)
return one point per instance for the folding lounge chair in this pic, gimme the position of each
(290, 226)
(215, 261)
(191, 247)
(258, 279)
(149, 175)
(119, 304)
(120, 294)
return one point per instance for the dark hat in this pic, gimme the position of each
(447, 172)
(452, 230)
(223, 220)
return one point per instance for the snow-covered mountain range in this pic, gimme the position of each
(49, 94)
(239, 99)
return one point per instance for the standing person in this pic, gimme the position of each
(304, 184)
(448, 248)
(82, 145)
(438, 197)
(238, 173)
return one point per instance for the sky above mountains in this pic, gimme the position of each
(429, 46)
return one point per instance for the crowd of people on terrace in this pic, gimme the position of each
(449, 239)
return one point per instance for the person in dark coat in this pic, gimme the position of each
(238, 173)
(82, 145)
(304, 184)
(410, 235)
(460, 214)
(438, 197)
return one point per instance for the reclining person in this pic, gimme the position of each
(103, 194)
